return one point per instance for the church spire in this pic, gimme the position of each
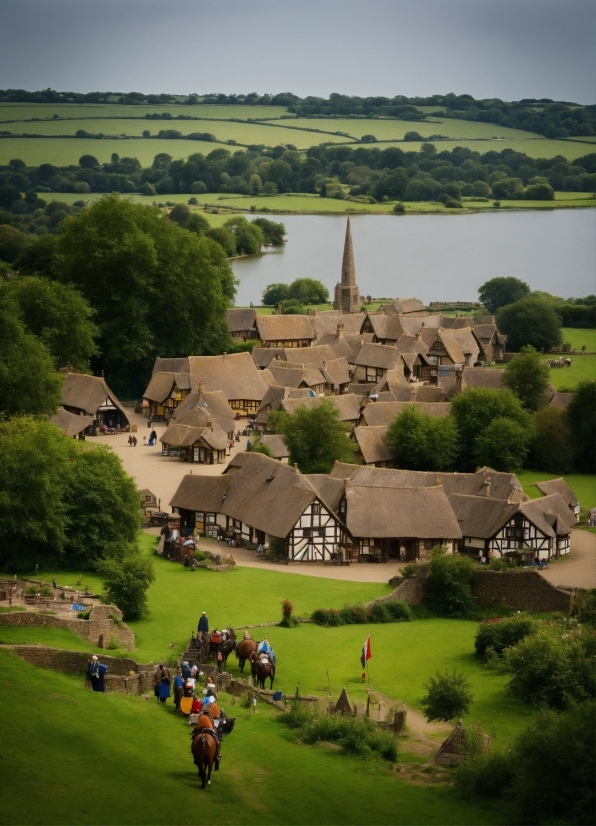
(348, 269)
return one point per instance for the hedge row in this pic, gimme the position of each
(393, 611)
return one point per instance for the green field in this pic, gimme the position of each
(582, 484)
(582, 368)
(578, 337)
(108, 758)
(25, 111)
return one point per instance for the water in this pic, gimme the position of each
(433, 257)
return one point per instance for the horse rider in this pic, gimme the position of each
(246, 635)
(205, 724)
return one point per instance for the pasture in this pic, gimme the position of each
(107, 758)
(582, 484)
(578, 337)
(582, 368)
(26, 111)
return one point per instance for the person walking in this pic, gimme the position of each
(162, 683)
(203, 626)
(178, 688)
(97, 672)
(153, 438)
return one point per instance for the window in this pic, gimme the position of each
(515, 532)
(342, 506)
(316, 507)
(200, 516)
(210, 518)
(429, 544)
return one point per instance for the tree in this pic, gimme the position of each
(126, 583)
(531, 320)
(291, 306)
(308, 291)
(528, 375)
(225, 238)
(503, 445)
(273, 232)
(247, 235)
(474, 410)
(156, 289)
(102, 509)
(552, 448)
(581, 418)
(274, 293)
(180, 214)
(59, 316)
(448, 587)
(422, 442)
(13, 243)
(37, 258)
(500, 291)
(88, 162)
(447, 696)
(29, 384)
(315, 437)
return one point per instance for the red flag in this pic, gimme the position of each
(366, 652)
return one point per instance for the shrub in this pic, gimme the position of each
(448, 588)
(287, 618)
(447, 696)
(398, 611)
(200, 556)
(489, 776)
(399, 208)
(126, 583)
(409, 570)
(326, 616)
(503, 633)
(584, 607)
(113, 643)
(354, 615)
(379, 613)
(393, 611)
(84, 615)
(298, 716)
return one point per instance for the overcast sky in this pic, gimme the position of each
(487, 48)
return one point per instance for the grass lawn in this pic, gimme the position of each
(582, 368)
(396, 129)
(23, 111)
(110, 758)
(578, 337)
(582, 484)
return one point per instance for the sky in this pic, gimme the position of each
(509, 49)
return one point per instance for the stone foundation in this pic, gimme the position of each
(98, 629)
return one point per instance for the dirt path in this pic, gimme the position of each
(578, 570)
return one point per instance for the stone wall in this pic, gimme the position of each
(523, 590)
(98, 629)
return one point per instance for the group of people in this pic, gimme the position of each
(132, 440)
(96, 672)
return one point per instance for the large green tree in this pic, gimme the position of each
(503, 445)
(126, 582)
(500, 291)
(59, 316)
(308, 291)
(474, 410)
(422, 442)
(552, 447)
(274, 293)
(315, 437)
(581, 418)
(29, 384)
(527, 375)
(531, 320)
(156, 289)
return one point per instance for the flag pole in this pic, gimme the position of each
(367, 671)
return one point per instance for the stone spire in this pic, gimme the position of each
(348, 269)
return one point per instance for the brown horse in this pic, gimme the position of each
(261, 670)
(243, 651)
(204, 752)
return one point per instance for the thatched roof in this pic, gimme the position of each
(449, 322)
(395, 513)
(273, 398)
(214, 405)
(408, 305)
(262, 356)
(372, 444)
(481, 517)
(561, 487)
(485, 333)
(235, 374)
(173, 365)
(386, 327)
(484, 377)
(431, 395)
(347, 405)
(313, 356)
(284, 327)
(377, 355)
(241, 319)
(71, 424)
(426, 325)
(160, 387)
(551, 515)
(326, 323)
(267, 495)
(410, 344)
(277, 445)
(384, 413)
(337, 372)
(459, 344)
(190, 427)
(201, 493)
(287, 375)
(562, 400)
(329, 489)
(88, 393)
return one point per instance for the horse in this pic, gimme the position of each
(204, 752)
(261, 670)
(226, 649)
(243, 651)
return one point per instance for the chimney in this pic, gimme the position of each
(340, 330)
(295, 465)
(486, 486)
(201, 387)
(413, 394)
(458, 387)
(419, 335)
(324, 365)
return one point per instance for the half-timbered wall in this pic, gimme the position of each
(249, 407)
(315, 536)
(520, 533)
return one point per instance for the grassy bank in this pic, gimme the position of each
(582, 484)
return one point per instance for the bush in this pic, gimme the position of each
(399, 208)
(126, 583)
(502, 633)
(354, 615)
(409, 570)
(113, 643)
(584, 607)
(326, 616)
(287, 619)
(393, 611)
(447, 696)
(291, 306)
(491, 775)
(379, 613)
(398, 611)
(448, 588)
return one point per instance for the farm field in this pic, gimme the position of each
(24, 111)
(578, 337)
(396, 129)
(111, 758)
(582, 368)
(582, 484)
(535, 147)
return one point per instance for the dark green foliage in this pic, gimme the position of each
(355, 735)
(498, 292)
(273, 231)
(291, 306)
(423, 442)
(581, 418)
(503, 445)
(447, 696)
(584, 607)
(552, 667)
(503, 633)
(247, 236)
(552, 447)
(448, 588)
(138, 271)
(528, 375)
(315, 437)
(12, 243)
(390, 611)
(531, 320)
(274, 294)
(474, 411)
(58, 316)
(126, 582)
(308, 291)
(548, 774)
(29, 384)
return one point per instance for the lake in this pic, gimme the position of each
(432, 257)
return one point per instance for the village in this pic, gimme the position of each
(210, 410)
